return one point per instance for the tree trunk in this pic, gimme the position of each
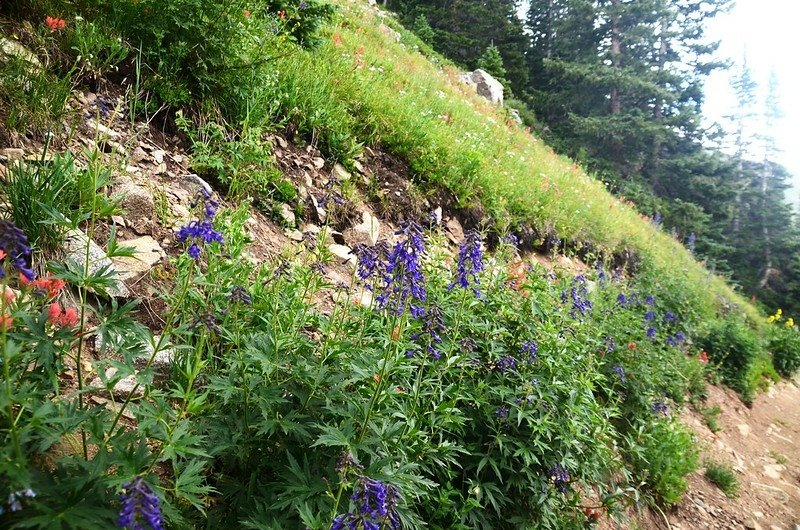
(616, 52)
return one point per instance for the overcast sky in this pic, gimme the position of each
(766, 31)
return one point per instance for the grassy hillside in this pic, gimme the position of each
(466, 391)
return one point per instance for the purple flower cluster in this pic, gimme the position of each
(506, 363)
(669, 316)
(404, 283)
(201, 232)
(431, 327)
(559, 476)
(140, 505)
(16, 498)
(579, 296)
(239, 294)
(649, 316)
(530, 348)
(679, 338)
(370, 263)
(502, 413)
(660, 408)
(620, 371)
(651, 332)
(14, 244)
(376, 507)
(611, 344)
(470, 263)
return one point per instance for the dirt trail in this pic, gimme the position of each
(763, 446)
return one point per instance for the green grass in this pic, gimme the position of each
(711, 418)
(363, 87)
(723, 477)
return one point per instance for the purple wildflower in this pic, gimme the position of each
(620, 371)
(660, 408)
(302, 6)
(680, 337)
(530, 348)
(649, 316)
(650, 300)
(139, 505)
(14, 243)
(669, 316)
(651, 332)
(376, 507)
(470, 263)
(404, 283)
(502, 413)
(611, 344)
(621, 299)
(579, 295)
(559, 476)
(201, 232)
(512, 240)
(506, 363)
(16, 498)
(240, 294)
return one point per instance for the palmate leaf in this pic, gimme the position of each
(190, 483)
(333, 437)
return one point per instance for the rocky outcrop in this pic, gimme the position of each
(486, 85)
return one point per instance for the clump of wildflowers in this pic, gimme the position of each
(404, 283)
(201, 232)
(376, 507)
(620, 371)
(140, 506)
(559, 476)
(15, 251)
(470, 263)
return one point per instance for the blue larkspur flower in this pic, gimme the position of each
(201, 232)
(651, 332)
(530, 348)
(502, 413)
(16, 499)
(669, 316)
(375, 507)
(671, 341)
(506, 363)
(558, 475)
(622, 299)
(650, 299)
(660, 408)
(140, 506)
(649, 316)
(470, 263)
(14, 244)
(404, 282)
(611, 344)
(578, 294)
(680, 337)
(239, 294)
(620, 371)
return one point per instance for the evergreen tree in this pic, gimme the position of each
(492, 62)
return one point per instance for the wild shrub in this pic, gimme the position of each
(734, 347)
(723, 476)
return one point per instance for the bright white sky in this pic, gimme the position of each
(767, 32)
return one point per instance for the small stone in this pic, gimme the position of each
(773, 471)
(287, 214)
(758, 515)
(281, 142)
(138, 154)
(744, 429)
(118, 220)
(294, 235)
(193, 183)
(102, 131)
(750, 524)
(340, 173)
(160, 169)
(158, 155)
(147, 253)
(318, 162)
(342, 251)
(370, 226)
(11, 153)
(75, 243)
